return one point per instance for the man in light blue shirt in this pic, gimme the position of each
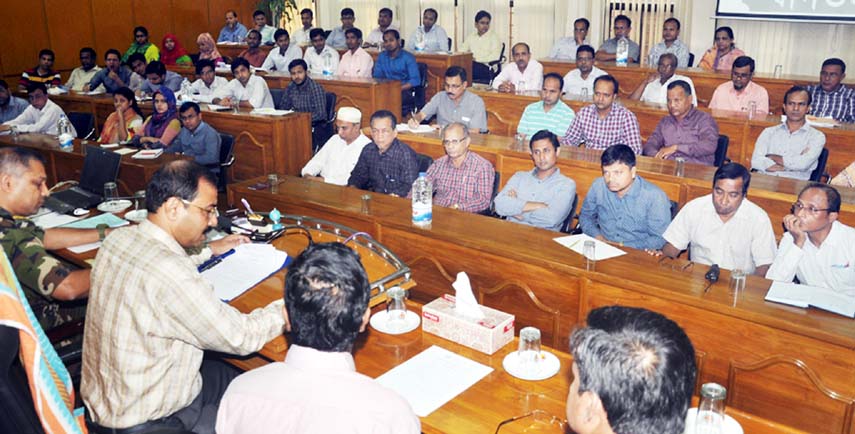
(621, 207)
(550, 113)
(542, 197)
(10, 106)
(196, 139)
(394, 63)
(156, 75)
(429, 37)
(233, 31)
(337, 37)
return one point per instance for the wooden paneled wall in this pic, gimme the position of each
(66, 26)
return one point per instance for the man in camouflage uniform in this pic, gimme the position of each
(53, 288)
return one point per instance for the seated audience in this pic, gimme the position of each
(740, 92)
(655, 88)
(41, 116)
(41, 73)
(301, 35)
(723, 53)
(542, 197)
(384, 22)
(386, 165)
(157, 77)
(336, 159)
(790, 149)
(172, 52)
(633, 372)
(326, 307)
(605, 122)
(817, 248)
(461, 178)
(670, 44)
(196, 139)
(321, 58)
(83, 74)
(566, 47)
(484, 45)
(233, 31)
(456, 104)
(522, 74)
(141, 45)
(622, 207)
(206, 86)
(163, 125)
(831, 98)
(608, 51)
(282, 54)
(144, 353)
(579, 82)
(303, 94)
(208, 48)
(394, 63)
(122, 123)
(10, 106)
(138, 64)
(50, 285)
(113, 77)
(430, 37)
(253, 53)
(245, 90)
(550, 113)
(355, 62)
(686, 132)
(724, 227)
(265, 31)
(337, 36)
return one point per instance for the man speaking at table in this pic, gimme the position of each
(151, 315)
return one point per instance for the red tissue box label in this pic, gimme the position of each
(430, 316)
(510, 326)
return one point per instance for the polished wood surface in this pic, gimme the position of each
(233, 50)
(68, 165)
(770, 353)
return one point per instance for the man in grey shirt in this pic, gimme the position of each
(456, 104)
(156, 75)
(608, 51)
(196, 139)
(10, 106)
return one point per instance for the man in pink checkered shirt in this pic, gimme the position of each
(604, 123)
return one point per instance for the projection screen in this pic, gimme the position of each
(811, 10)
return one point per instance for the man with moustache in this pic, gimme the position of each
(605, 122)
(686, 132)
(831, 98)
(655, 88)
(247, 89)
(456, 104)
(550, 113)
(386, 165)
(520, 75)
(580, 81)
(738, 93)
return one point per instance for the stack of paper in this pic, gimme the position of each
(243, 269)
(805, 295)
(602, 250)
(107, 218)
(148, 154)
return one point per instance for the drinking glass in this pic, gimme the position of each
(111, 192)
(681, 166)
(139, 197)
(710, 417)
(396, 309)
(366, 204)
(590, 253)
(528, 351)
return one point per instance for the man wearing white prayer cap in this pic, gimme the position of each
(337, 158)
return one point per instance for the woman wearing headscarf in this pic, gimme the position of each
(120, 125)
(208, 48)
(172, 52)
(162, 126)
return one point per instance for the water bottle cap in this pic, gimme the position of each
(422, 174)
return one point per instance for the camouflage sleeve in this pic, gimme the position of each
(35, 268)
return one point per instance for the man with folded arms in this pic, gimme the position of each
(233, 31)
(831, 98)
(522, 74)
(83, 74)
(817, 248)
(282, 54)
(581, 79)
(208, 83)
(151, 319)
(542, 197)
(384, 22)
(386, 165)
(740, 92)
(355, 62)
(605, 122)
(326, 307)
(247, 89)
(654, 89)
(10, 106)
(41, 116)
(622, 207)
(550, 113)
(686, 132)
(456, 104)
(334, 162)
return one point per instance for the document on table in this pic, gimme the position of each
(53, 219)
(108, 219)
(243, 269)
(432, 378)
(602, 250)
(805, 295)
(125, 151)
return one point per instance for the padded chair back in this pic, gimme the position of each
(816, 175)
(17, 412)
(490, 211)
(675, 208)
(424, 162)
(449, 44)
(420, 92)
(568, 226)
(331, 99)
(691, 59)
(227, 158)
(84, 124)
(721, 150)
(277, 94)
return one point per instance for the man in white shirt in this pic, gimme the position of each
(724, 227)
(321, 58)
(429, 37)
(83, 74)
(522, 74)
(260, 20)
(208, 83)
(580, 81)
(816, 248)
(41, 116)
(655, 88)
(247, 89)
(337, 158)
(384, 22)
(301, 35)
(355, 62)
(282, 54)
(565, 48)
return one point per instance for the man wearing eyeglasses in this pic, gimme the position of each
(152, 316)
(724, 227)
(816, 248)
(741, 94)
(386, 165)
(456, 104)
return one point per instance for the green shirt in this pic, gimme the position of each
(557, 120)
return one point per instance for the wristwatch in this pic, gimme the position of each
(102, 228)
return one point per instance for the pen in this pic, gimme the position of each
(246, 205)
(210, 263)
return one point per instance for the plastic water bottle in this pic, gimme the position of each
(422, 200)
(622, 52)
(186, 88)
(327, 64)
(63, 129)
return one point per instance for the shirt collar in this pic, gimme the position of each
(306, 358)
(554, 174)
(157, 233)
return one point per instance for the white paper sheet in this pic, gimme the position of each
(248, 265)
(805, 295)
(125, 151)
(602, 250)
(432, 378)
(54, 219)
(90, 223)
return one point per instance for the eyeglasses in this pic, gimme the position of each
(540, 417)
(798, 206)
(454, 142)
(139, 35)
(212, 212)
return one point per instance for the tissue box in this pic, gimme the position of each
(486, 335)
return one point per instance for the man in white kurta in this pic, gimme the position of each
(337, 158)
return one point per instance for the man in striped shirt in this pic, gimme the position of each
(550, 113)
(42, 73)
(831, 99)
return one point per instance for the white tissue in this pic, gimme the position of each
(465, 303)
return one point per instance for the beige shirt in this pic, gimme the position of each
(149, 319)
(80, 78)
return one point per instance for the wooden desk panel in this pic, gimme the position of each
(233, 50)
